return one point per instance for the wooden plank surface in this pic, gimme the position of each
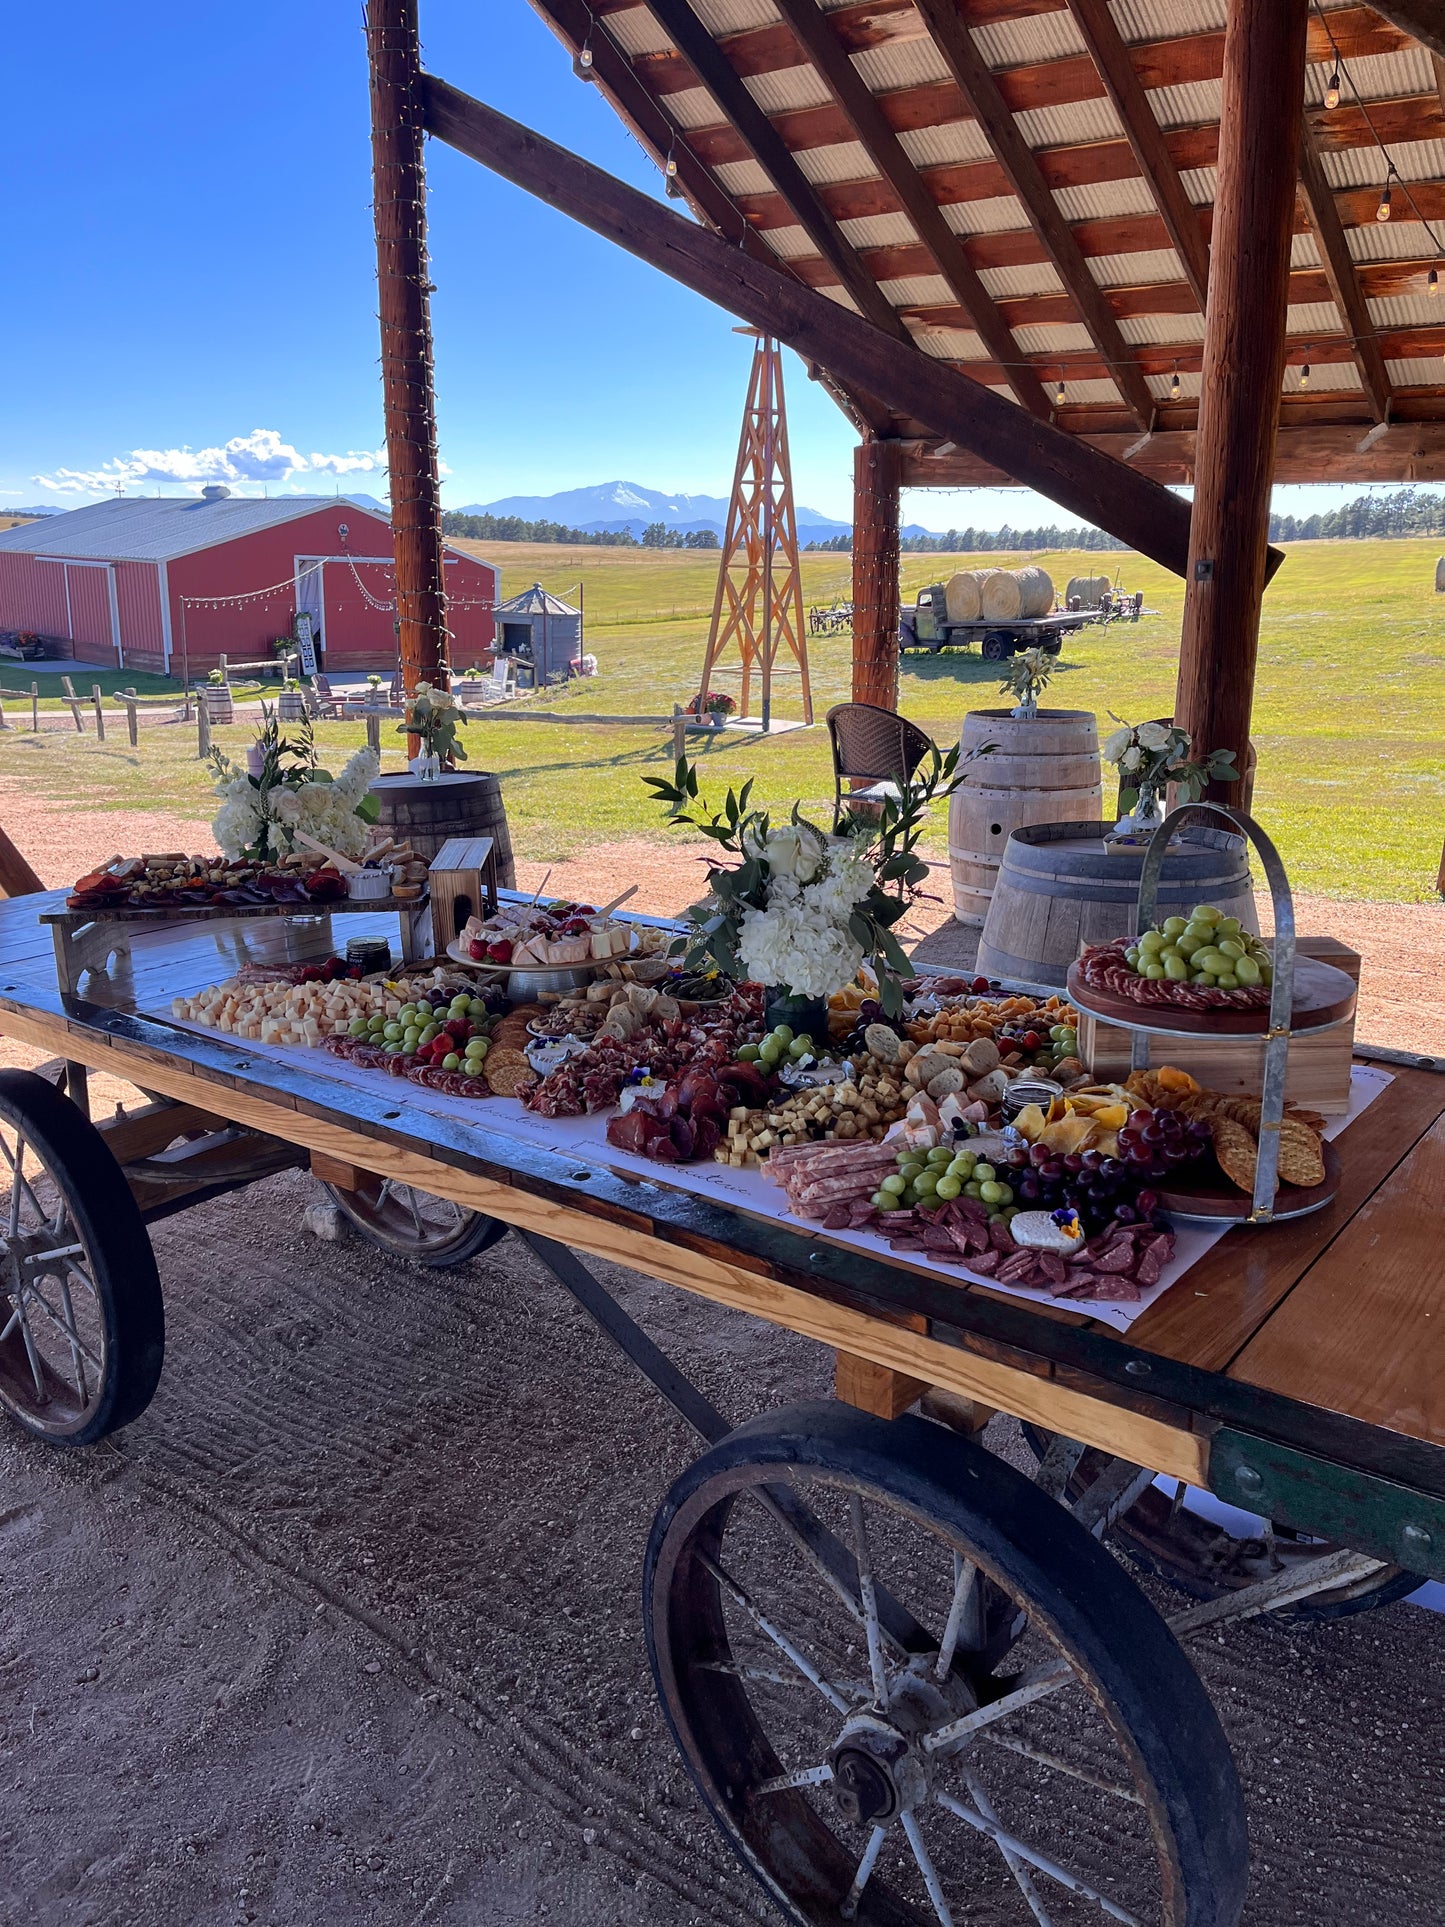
(1362, 1332)
(1212, 1313)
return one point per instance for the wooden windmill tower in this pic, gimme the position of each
(759, 600)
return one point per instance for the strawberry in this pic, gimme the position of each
(481, 952)
(498, 952)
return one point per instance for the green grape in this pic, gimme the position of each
(1247, 970)
(939, 1155)
(926, 1183)
(411, 1037)
(1187, 945)
(1176, 968)
(1266, 971)
(1228, 926)
(1174, 926)
(477, 1007)
(1226, 980)
(358, 1027)
(1211, 959)
(1010, 1212)
(799, 1049)
(451, 1062)
(748, 1053)
(1198, 933)
(1131, 956)
(895, 1185)
(948, 1187)
(973, 1189)
(958, 1169)
(425, 1010)
(1205, 977)
(1151, 941)
(1070, 1042)
(909, 1167)
(984, 1173)
(392, 1032)
(883, 1201)
(993, 1193)
(783, 1033)
(1204, 913)
(476, 1050)
(1153, 972)
(1231, 947)
(407, 1012)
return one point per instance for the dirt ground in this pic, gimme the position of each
(346, 1627)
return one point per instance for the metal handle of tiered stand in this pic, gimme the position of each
(1281, 993)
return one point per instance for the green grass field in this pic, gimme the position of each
(1349, 709)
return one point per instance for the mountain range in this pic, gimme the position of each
(611, 506)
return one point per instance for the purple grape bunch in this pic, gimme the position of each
(1108, 1190)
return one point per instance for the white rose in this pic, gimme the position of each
(1132, 758)
(1153, 735)
(1116, 743)
(783, 852)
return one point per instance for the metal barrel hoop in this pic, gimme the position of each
(1281, 994)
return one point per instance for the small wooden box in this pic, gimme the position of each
(1318, 1077)
(462, 883)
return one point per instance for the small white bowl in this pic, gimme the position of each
(368, 885)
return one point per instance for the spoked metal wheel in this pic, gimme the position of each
(972, 1716)
(82, 1329)
(414, 1224)
(1171, 1536)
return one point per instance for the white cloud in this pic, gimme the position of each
(257, 458)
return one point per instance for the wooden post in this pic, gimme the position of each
(35, 707)
(399, 197)
(17, 878)
(1244, 349)
(70, 697)
(203, 729)
(128, 697)
(99, 712)
(373, 731)
(876, 469)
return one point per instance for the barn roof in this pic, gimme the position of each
(1025, 189)
(536, 601)
(158, 528)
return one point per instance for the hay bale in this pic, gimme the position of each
(1015, 595)
(961, 596)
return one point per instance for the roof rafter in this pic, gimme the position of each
(1146, 138)
(1339, 267)
(712, 68)
(851, 92)
(979, 88)
(1422, 18)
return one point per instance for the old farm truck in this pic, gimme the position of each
(1002, 610)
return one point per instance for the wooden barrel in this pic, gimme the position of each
(1059, 889)
(961, 597)
(1044, 771)
(1089, 590)
(1013, 595)
(458, 803)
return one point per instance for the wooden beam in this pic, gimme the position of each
(403, 287)
(820, 330)
(1425, 19)
(711, 67)
(17, 878)
(866, 118)
(979, 88)
(877, 467)
(1263, 108)
(1146, 138)
(1339, 270)
(874, 1388)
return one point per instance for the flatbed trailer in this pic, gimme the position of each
(996, 641)
(910, 1683)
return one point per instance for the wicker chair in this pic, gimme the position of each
(875, 747)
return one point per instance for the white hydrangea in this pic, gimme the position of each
(802, 939)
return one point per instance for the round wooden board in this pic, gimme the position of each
(1322, 995)
(1211, 1195)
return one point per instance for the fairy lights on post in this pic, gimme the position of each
(404, 290)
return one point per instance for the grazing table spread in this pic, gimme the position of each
(949, 1202)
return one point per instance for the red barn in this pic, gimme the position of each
(170, 583)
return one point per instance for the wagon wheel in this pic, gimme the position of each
(1205, 1559)
(995, 648)
(1043, 1763)
(413, 1224)
(82, 1328)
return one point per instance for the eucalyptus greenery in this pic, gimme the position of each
(818, 905)
(1028, 675)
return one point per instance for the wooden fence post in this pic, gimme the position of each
(373, 731)
(679, 732)
(203, 730)
(35, 707)
(99, 713)
(128, 697)
(69, 695)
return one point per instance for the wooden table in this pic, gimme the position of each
(1297, 1370)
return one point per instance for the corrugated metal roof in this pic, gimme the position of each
(787, 88)
(734, 16)
(843, 161)
(880, 231)
(1135, 270)
(1168, 19)
(1313, 318)
(1201, 184)
(1084, 392)
(157, 528)
(951, 143)
(1002, 214)
(1105, 200)
(1395, 240)
(1052, 337)
(951, 344)
(1420, 310)
(693, 107)
(1018, 43)
(1365, 166)
(1071, 124)
(742, 177)
(637, 32)
(919, 291)
(1381, 76)
(789, 242)
(536, 601)
(1338, 377)
(1138, 329)
(1030, 277)
(1185, 105)
(1421, 372)
(901, 63)
(1303, 253)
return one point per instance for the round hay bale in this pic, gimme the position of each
(1015, 595)
(961, 596)
(1088, 588)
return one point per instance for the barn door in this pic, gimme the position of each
(310, 592)
(94, 631)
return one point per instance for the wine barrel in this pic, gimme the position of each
(961, 596)
(1060, 889)
(1043, 771)
(1014, 595)
(457, 803)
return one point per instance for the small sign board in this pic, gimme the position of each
(306, 641)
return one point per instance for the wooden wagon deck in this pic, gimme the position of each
(1324, 1337)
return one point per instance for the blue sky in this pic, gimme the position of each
(191, 268)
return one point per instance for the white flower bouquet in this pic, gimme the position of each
(1152, 755)
(289, 791)
(800, 910)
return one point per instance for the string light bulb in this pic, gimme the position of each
(1059, 393)
(1304, 377)
(1332, 89)
(1174, 384)
(1382, 212)
(1432, 283)
(671, 185)
(582, 65)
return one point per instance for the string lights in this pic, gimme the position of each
(1382, 212)
(1332, 89)
(1059, 393)
(1304, 377)
(1174, 384)
(582, 59)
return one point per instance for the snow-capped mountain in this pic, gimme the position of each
(619, 505)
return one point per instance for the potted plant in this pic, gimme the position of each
(715, 704)
(1151, 756)
(434, 715)
(801, 911)
(217, 697)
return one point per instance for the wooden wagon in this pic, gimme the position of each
(883, 1651)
